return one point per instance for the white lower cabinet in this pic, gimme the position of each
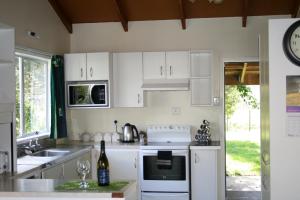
(70, 167)
(66, 170)
(123, 163)
(204, 174)
(56, 172)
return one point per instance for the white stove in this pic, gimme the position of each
(164, 162)
(168, 137)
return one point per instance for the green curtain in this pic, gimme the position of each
(58, 112)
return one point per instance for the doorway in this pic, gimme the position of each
(242, 130)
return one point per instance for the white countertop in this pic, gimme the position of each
(213, 145)
(45, 188)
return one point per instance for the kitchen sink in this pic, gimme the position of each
(50, 153)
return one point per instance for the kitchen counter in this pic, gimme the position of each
(108, 145)
(45, 188)
(27, 164)
(212, 145)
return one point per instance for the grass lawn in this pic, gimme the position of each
(242, 158)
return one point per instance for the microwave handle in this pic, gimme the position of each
(90, 93)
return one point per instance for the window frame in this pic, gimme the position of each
(23, 137)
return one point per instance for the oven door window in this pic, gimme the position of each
(98, 94)
(79, 95)
(153, 170)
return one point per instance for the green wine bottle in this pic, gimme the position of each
(103, 167)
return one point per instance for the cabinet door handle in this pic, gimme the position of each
(170, 70)
(91, 71)
(196, 158)
(62, 172)
(161, 70)
(81, 72)
(138, 99)
(135, 163)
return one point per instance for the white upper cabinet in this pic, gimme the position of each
(7, 69)
(75, 67)
(166, 65)
(97, 66)
(177, 64)
(154, 65)
(128, 79)
(87, 66)
(7, 41)
(201, 78)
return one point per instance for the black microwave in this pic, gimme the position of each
(87, 94)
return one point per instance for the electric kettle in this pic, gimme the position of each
(129, 133)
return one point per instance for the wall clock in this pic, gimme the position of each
(291, 43)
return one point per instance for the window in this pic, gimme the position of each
(32, 95)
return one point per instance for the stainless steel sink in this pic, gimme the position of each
(50, 153)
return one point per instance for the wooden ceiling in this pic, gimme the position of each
(90, 11)
(237, 73)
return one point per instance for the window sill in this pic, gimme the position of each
(27, 139)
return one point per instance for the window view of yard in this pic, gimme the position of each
(242, 130)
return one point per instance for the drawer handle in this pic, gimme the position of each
(196, 158)
(138, 99)
(135, 163)
(91, 71)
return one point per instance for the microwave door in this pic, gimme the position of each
(79, 95)
(99, 94)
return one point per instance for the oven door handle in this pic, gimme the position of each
(174, 152)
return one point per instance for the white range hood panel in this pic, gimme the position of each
(166, 85)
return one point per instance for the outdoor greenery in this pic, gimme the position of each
(242, 137)
(33, 92)
(234, 94)
(242, 158)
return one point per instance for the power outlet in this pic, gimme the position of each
(176, 110)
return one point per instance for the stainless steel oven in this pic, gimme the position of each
(157, 176)
(87, 94)
(164, 163)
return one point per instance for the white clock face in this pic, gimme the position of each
(295, 42)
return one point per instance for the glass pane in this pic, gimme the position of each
(152, 170)
(79, 95)
(18, 119)
(35, 95)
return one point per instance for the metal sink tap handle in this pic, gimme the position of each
(30, 144)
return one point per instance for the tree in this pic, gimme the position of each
(234, 94)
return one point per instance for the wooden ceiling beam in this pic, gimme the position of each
(238, 73)
(296, 9)
(244, 73)
(65, 20)
(121, 15)
(182, 14)
(245, 13)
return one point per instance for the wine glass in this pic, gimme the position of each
(83, 169)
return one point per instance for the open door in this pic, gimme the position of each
(242, 130)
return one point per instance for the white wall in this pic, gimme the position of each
(225, 36)
(37, 16)
(284, 150)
